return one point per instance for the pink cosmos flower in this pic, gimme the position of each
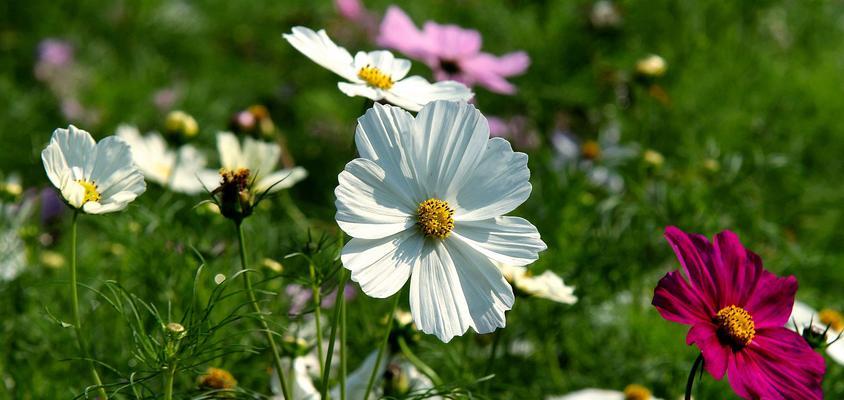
(737, 311)
(452, 52)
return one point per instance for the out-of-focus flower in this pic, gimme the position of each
(164, 99)
(451, 51)
(395, 377)
(820, 329)
(177, 170)
(631, 392)
(597, 159)
(216, 378)
(711, 165)
(52, 259)
(605, 15)
(425, 203)
(54, 55)
(302, 387)
(652, 66)
(13, 259)
(737, 311)
(354, 11)
(51, 206)
(181, 125)
(95, 178)
(547, 285)
(272, 265)
(653, 157)
(376, 75)
(516, 129)
(254, 121)
(300, 297)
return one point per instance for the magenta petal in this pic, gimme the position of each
(772, 300)
(678, 301)
(398, 32)
(695, 255)
(738, 269)
(451, 42)
(715, 355)
(510, 64)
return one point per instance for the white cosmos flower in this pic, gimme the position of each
(96, 178)
(802, 316)
(376, 75)
(632, 392)
(177, 170)
(259, 157)
(547, 285)
(425, 202)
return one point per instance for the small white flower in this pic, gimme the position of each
(425, 203)
(177, 170)
(376, 75)
(598, 160)
(96, 178)
(632, 392)
(259, 157)
(802, 316)
(547, 285)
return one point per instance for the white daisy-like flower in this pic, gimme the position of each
(177, 170)
(302, 387)
(597, 159)
(425, 202)
(376, 75)
(95, 178)
(829, 321)
(12, 247)
(259, 157)
(546, 285)
(631, 392)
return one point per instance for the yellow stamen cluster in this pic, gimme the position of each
(735, 325)
(375, 78)
(91, 193)
(217, 378)
(435, 218)
(591, 150)
(636, 392)
(238, 178)
(832, 318)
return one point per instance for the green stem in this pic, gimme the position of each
(383, 345)
(341, 286)
(77, 321)
(247, 282)
(315, 287)
(342, 348)
(293, 211)
(168, 386)
(691, 381)
(418, 363)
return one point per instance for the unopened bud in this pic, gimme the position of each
(652, 66)
(181, 125)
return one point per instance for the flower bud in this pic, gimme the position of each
(180, 125)
(652, 66)
(653, 158)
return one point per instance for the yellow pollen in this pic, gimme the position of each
(91, 193)
(832, 318)
(435, 218)
(591, 150)
(375, 78)
(735, 325)
(636, 392)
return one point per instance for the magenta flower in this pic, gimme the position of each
(737, 311)
(452, 52)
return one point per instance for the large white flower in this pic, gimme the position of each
(547, 285)
(259, 157)
(375, 75)
(96, 178)
(425, 202)
(177, 170)
(829, 321)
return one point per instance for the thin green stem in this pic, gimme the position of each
(247, 282)
(315, 287)
(342, 347)
(77, 321)
(383, 344)
(691, 381)
(418, 363)
(168, 385)
(333, 336)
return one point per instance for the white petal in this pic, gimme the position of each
(414, 92)
(590, 394)
(71, 190)
(55, 164)
(384, 135)
(231, 157)
(802, 315)
(186, 175)
(358, 379)
(388, 64)
(68, 150)
(836, 349)
(210, 179)
(260, 157)
(500, 184)
(449, 142)
(509, 240)
(382, 266)
(369, 207)
(93, 207)
(279, 180)
(359, 89)
(321, 49)
(549, 286)
(150, 153)
(112, 166)
(454, 288)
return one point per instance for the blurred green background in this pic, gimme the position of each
(747, 117)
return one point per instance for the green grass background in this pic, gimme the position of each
(756, 86)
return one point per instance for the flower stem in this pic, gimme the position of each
(418, 363)
(248, 284)
(168, 386)
(342, 303)
(690, 382)
(341, 286)
(383, 345)
(77, 321)
(315, 287)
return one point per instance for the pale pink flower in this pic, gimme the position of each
(454, 53)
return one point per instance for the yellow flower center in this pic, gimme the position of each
(435, 218)
(735, 325)
(375, 78)
(91, 193)
(217, 378)
(591, 150)
(832, 318)
(636, 392)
